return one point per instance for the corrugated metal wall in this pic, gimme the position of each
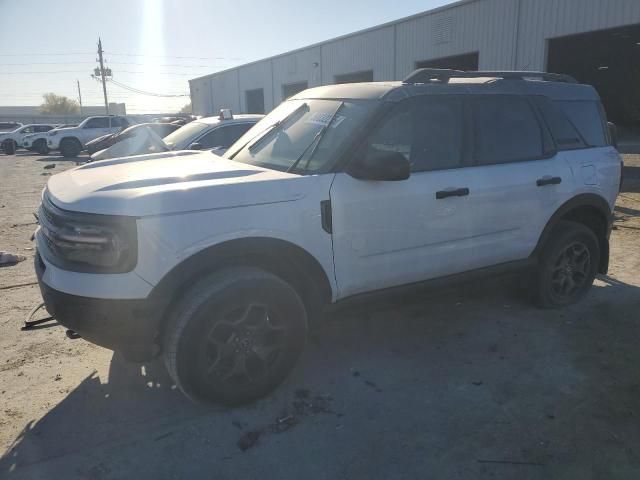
(508, 34)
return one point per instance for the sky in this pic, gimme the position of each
(158, 45)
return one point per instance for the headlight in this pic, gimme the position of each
(88, 243)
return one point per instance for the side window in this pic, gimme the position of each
(27, 130)
(43, 128)
(428, 132)
(505, 129)
(587, 118)
(224, 136)
(99, 122)
(119, 122)
(564, 133)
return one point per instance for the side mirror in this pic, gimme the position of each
(195, 146)
(613, 134)
(381, 166)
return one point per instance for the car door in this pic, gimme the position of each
(393, 233)
(517, 181)
(94, 128)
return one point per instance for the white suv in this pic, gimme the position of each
(71, 141)
(11, 141)
(218, 263)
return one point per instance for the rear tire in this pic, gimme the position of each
(41, 147)
(235, 336)
(9, 147)
(70, 147)
(568, 265)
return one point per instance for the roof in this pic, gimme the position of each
(396, 91)
(237, 118)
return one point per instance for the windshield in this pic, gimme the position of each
(182, 138)
(287, 136)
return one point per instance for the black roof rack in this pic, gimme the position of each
(428, 75)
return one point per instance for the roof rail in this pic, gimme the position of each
(427, 75)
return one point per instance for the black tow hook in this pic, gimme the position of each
(73, 335)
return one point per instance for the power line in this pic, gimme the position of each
(111, 63)
(142, 92)
(173, 56)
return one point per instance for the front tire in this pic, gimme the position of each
(235, 336)
(70, 148)
(568, 265)
(41, 147)
(9, 147)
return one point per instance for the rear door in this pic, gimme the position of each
(94, 128)
(393, 233)
(517, 181)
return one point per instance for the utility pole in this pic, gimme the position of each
(102, 74)
(79, 96)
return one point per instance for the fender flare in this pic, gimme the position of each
(283, 258)
(592, 201)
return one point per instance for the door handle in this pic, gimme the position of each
(459, 192)
(544, 181)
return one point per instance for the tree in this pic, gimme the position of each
(59, 105)
(186, 108)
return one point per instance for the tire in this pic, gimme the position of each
(9, 147)
(235, 336)
(41, 147)
(70, 147)
(568, 265)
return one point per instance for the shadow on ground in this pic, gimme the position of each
(465, 383)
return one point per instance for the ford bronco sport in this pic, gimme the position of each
(218, 263)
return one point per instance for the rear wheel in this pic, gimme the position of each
(9, 147)
(41, 147)
(568, 265)
(70, 147)
(235, 336)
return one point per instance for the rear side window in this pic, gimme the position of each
(99, 122)
(505, 129)
(587, 118)
(564, 133)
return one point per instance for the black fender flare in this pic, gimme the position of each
(280, 257)
(595, 203)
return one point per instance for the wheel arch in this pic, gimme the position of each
(290, 262)
(590, 210)
(72, 138)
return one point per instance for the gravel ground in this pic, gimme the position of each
(467, 383)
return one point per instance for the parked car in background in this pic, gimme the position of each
(100, 143)
(71, 141)
(9, 126)
(214, 133)
(11, 141)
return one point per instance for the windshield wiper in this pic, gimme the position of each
(257, 139)
(315, 142)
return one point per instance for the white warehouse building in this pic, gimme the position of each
(596, 41)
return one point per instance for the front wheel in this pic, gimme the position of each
(41, 147)
(70, 148)
(568, 265)
(235, 336)
(9, 147)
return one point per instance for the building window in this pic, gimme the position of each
(255, 100)
(467, 62)
(356, 77)
(290, 89)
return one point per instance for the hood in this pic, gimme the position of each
(100, 139)
(173, 182)
(143, 140)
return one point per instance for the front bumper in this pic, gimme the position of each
(127, 326)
